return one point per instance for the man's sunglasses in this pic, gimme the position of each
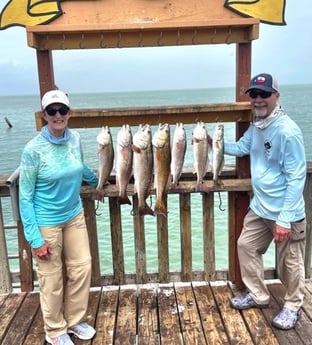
(263, 94)
(52, 111)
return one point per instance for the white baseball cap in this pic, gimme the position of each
(54, 96)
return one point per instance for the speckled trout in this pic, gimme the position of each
(106, 155)
(200, 152)
(217, 152)
(124, 159)
(178, 150)
(162, 159)
(143, 167)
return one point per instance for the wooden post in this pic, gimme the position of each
(5, 277)
(45, 71)
(308, 203)
(241, 200)
(186, 237)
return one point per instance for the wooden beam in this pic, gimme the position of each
(115, 117)
(62, 37)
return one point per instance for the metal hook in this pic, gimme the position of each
(81, 46)
(62, 44)
(141, 39)
(178, 38)
(228, 36)
(102, 45)
(160, 37)
(213, 37)
(119, 40)
(194, 35)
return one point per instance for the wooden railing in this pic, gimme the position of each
(26, 275)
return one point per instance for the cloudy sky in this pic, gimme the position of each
(285, 51)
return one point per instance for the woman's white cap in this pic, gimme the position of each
(54, 96)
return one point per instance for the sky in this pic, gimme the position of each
(284, 51)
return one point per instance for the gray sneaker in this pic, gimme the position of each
(245, 302)
(286, 319)
(63, 339)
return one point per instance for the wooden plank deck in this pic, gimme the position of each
(178, 313)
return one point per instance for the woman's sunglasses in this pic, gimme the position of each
(263, 94)
(52, 111)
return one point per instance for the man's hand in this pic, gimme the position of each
(43, 252)
(280, 233)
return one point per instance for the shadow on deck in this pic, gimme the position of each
(179, 313)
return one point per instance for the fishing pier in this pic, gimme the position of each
(184, 306)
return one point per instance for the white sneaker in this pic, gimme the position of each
(82, 331)
(63, 339)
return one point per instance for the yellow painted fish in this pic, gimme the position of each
(178, 150)
(124, 158)
(217, 152)
(162, 159)
(200, 152)
(143, 167)
(106, 155)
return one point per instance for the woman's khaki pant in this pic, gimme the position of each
(256, 236)
(64, 304)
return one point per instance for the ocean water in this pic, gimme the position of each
(296, 100)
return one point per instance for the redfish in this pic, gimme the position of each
(143, 167)
(200, 152)
(217, 152)
(124, 159)
(106, 155)
(162, 160)
(178, 152)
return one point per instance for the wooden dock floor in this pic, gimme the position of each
(179, 313)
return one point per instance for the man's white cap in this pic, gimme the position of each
(54, 96)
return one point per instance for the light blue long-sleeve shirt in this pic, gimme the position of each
(49, 184)
(278, 169)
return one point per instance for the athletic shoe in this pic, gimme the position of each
(63, 339)
(286, 319)
(245, 302)
(82, 331)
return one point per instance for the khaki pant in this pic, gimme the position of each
(256, 236)
(64, 305)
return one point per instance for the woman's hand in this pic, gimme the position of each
(43, 252)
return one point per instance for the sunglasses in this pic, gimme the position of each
(263, 94)
(52, 111)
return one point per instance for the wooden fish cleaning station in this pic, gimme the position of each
(186, 307)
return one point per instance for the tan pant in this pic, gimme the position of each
(64, 305)
(256, 236)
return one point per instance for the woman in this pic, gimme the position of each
(51, 173)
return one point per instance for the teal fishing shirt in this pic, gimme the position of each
(50, 179)
(278, 168)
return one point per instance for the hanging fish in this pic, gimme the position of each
(200, 152)
(124, 158)
(106, 156)
(178, 152)
(217, 152)
(143, 167)
(162, 159)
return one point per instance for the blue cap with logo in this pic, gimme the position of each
(263, 82)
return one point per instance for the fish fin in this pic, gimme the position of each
(135, 149)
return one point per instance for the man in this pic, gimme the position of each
(278, 171)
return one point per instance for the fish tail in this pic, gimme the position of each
(160, 208)
(124, 200)
(145, 210)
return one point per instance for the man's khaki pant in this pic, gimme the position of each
(256, 236)
(64, 305)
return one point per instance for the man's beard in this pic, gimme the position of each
(261, 112)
